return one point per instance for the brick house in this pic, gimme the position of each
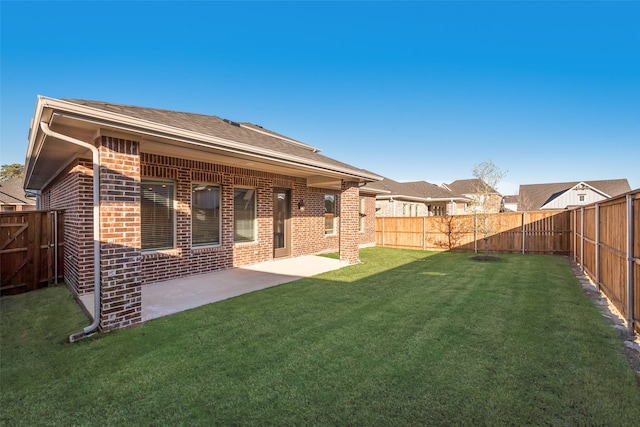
(415, 198)
(180, 194)
(477, 190)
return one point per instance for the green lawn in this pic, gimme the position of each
(405, 338)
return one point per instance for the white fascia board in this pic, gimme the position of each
(155, 129)
(575, 187)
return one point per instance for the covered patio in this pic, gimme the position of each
(176, 295)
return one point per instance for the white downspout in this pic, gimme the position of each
(96, 226)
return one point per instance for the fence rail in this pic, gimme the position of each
(544, 232)
(606, 241)
(31, 250)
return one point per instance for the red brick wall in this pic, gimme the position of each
(307, 227)
(349, 222)
(72, 191)
(124, 267)
(368, 235)
(120, 254)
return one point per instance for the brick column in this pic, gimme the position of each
(120, 247)
(349, 222)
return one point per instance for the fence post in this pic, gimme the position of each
(475, 233)
(630, 295)
(524, 230)
(382, 232)
(424, 233)
(598, 246)
(582, 239)
(575, 236)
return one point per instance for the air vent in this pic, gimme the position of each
(231, 122)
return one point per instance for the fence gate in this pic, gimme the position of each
(31, 246)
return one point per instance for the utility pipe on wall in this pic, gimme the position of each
(96, 226)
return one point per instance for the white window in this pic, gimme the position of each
(205, 215)
(329, 214)
(157, 215)
(244, 215)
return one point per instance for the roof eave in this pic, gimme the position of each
(124, 122)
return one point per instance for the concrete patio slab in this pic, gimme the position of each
(176, 295)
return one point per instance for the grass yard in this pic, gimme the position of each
(405, 338)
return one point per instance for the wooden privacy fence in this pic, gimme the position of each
(606, 239)
(543, 232)
(31, 250)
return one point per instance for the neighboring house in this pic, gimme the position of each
(564, 195)
(181, 194)
(511, 203)
(14, 198)
(471, 188)
(417, 198)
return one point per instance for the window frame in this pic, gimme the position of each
(362, 207)
(193, 213)
(172, 207)
(333, 229)
(255, 215)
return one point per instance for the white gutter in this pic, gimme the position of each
(96, 226)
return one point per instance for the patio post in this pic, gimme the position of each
(349, 222)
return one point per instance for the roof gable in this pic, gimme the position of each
(535, 196)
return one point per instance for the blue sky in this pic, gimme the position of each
(549, 91)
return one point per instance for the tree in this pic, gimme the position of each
(14, 170)
(487, 200)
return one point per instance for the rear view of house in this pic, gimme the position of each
(151, 195)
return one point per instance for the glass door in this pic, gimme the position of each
(281, 223)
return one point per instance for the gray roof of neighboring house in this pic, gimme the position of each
(416, 190)
(534, 196)
(433, 191)
(466, 186)
(12, 193)
(511, 198)
(244, 133)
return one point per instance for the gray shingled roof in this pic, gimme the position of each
(12, 193)
(534, 196)
(433, 191)
(244, 133)
(467, 186)
(421, 190)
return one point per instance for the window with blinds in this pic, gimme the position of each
(205, 215)
(157, 215)
(244, 215)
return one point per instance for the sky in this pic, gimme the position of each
(547, 91)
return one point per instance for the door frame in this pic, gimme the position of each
(286, 250)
